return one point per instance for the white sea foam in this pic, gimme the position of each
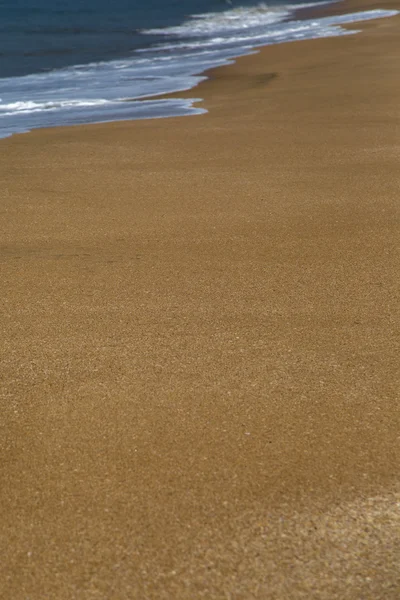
(115, 90)
(228, 21)
(29, 106)
(254, 33)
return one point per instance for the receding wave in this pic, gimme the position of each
(234, 19)
(29, 106)
(125, 89)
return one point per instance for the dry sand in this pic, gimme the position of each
(200, 340)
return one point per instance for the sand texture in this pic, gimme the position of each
(199, 340)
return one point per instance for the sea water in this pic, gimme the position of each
(65, 62)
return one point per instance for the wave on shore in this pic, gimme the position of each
(117, 90)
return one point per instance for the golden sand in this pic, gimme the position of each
(200, 340)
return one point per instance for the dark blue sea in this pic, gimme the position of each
(81, 61)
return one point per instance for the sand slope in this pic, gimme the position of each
(200, 340)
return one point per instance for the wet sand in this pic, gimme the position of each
(200, 340)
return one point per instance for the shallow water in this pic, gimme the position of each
(77, 62)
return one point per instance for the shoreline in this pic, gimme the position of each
(183, 101)
(199, 347)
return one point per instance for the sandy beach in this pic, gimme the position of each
(199, 340)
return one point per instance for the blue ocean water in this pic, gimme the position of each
(80, 61)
